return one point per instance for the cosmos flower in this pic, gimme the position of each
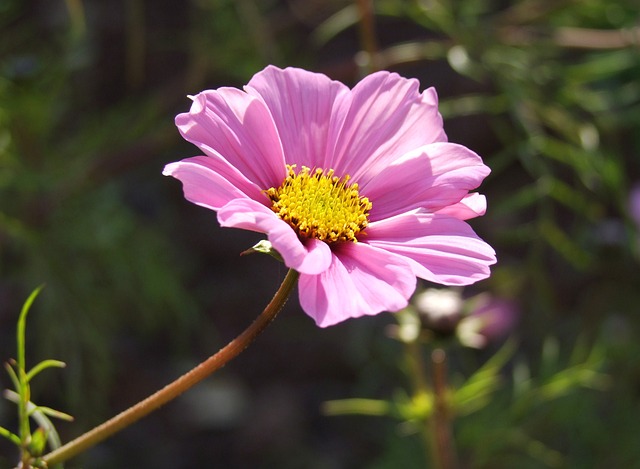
(357, 189)
(490, 319)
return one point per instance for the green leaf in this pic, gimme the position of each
(13, 375)
(44, 365)
(22, 326)
(472, 104)
(536, 449)
(358, 406)
(477, 390)
(52, 413)
(571, 198)
(588, 165)
(565, 381)
(564, 244)
(518, 201)
(335, 24)
(11, 396)
(15, 439)
(601, 66)
(552, 385)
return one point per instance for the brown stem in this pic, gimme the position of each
(174, 389)
(368, 34)
(421, 388)
(445, 456)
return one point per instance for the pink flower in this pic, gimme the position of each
(498, 315)
(491, 319)
(357, 189)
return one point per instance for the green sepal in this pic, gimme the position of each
(263, 247)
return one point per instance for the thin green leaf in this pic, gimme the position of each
(357, 406)
(564, 244)
(572, 198)
(335, 24)
(52, 413)
(523, 198)
(11, 396)
(411, 52)
(601, 66)
(536, 449)
(476, 391)
(565, 381)
(15, 439)
(12, 374)
(22, 326)
(44, 365)
(472, 104)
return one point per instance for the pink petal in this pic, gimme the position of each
(361, 280)
(498, 316)
(302, 106)
(312, 257)
(212, 183)
(431, 177)
(385, 117)
(473, 205)
(440, 249)
(228, 123)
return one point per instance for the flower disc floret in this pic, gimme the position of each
(319, 205)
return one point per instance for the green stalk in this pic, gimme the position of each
(368, 34)
(23, 388)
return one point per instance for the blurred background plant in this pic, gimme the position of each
(141, 284)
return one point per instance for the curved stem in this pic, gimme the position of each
(182, 384)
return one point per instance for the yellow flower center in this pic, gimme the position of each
(319, 205)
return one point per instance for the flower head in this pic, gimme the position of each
(490, 319)
(357, 189)
(440, 310)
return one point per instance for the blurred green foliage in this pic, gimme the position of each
(547, 91)
(64, 216)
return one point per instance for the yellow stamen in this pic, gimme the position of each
(320, 205)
